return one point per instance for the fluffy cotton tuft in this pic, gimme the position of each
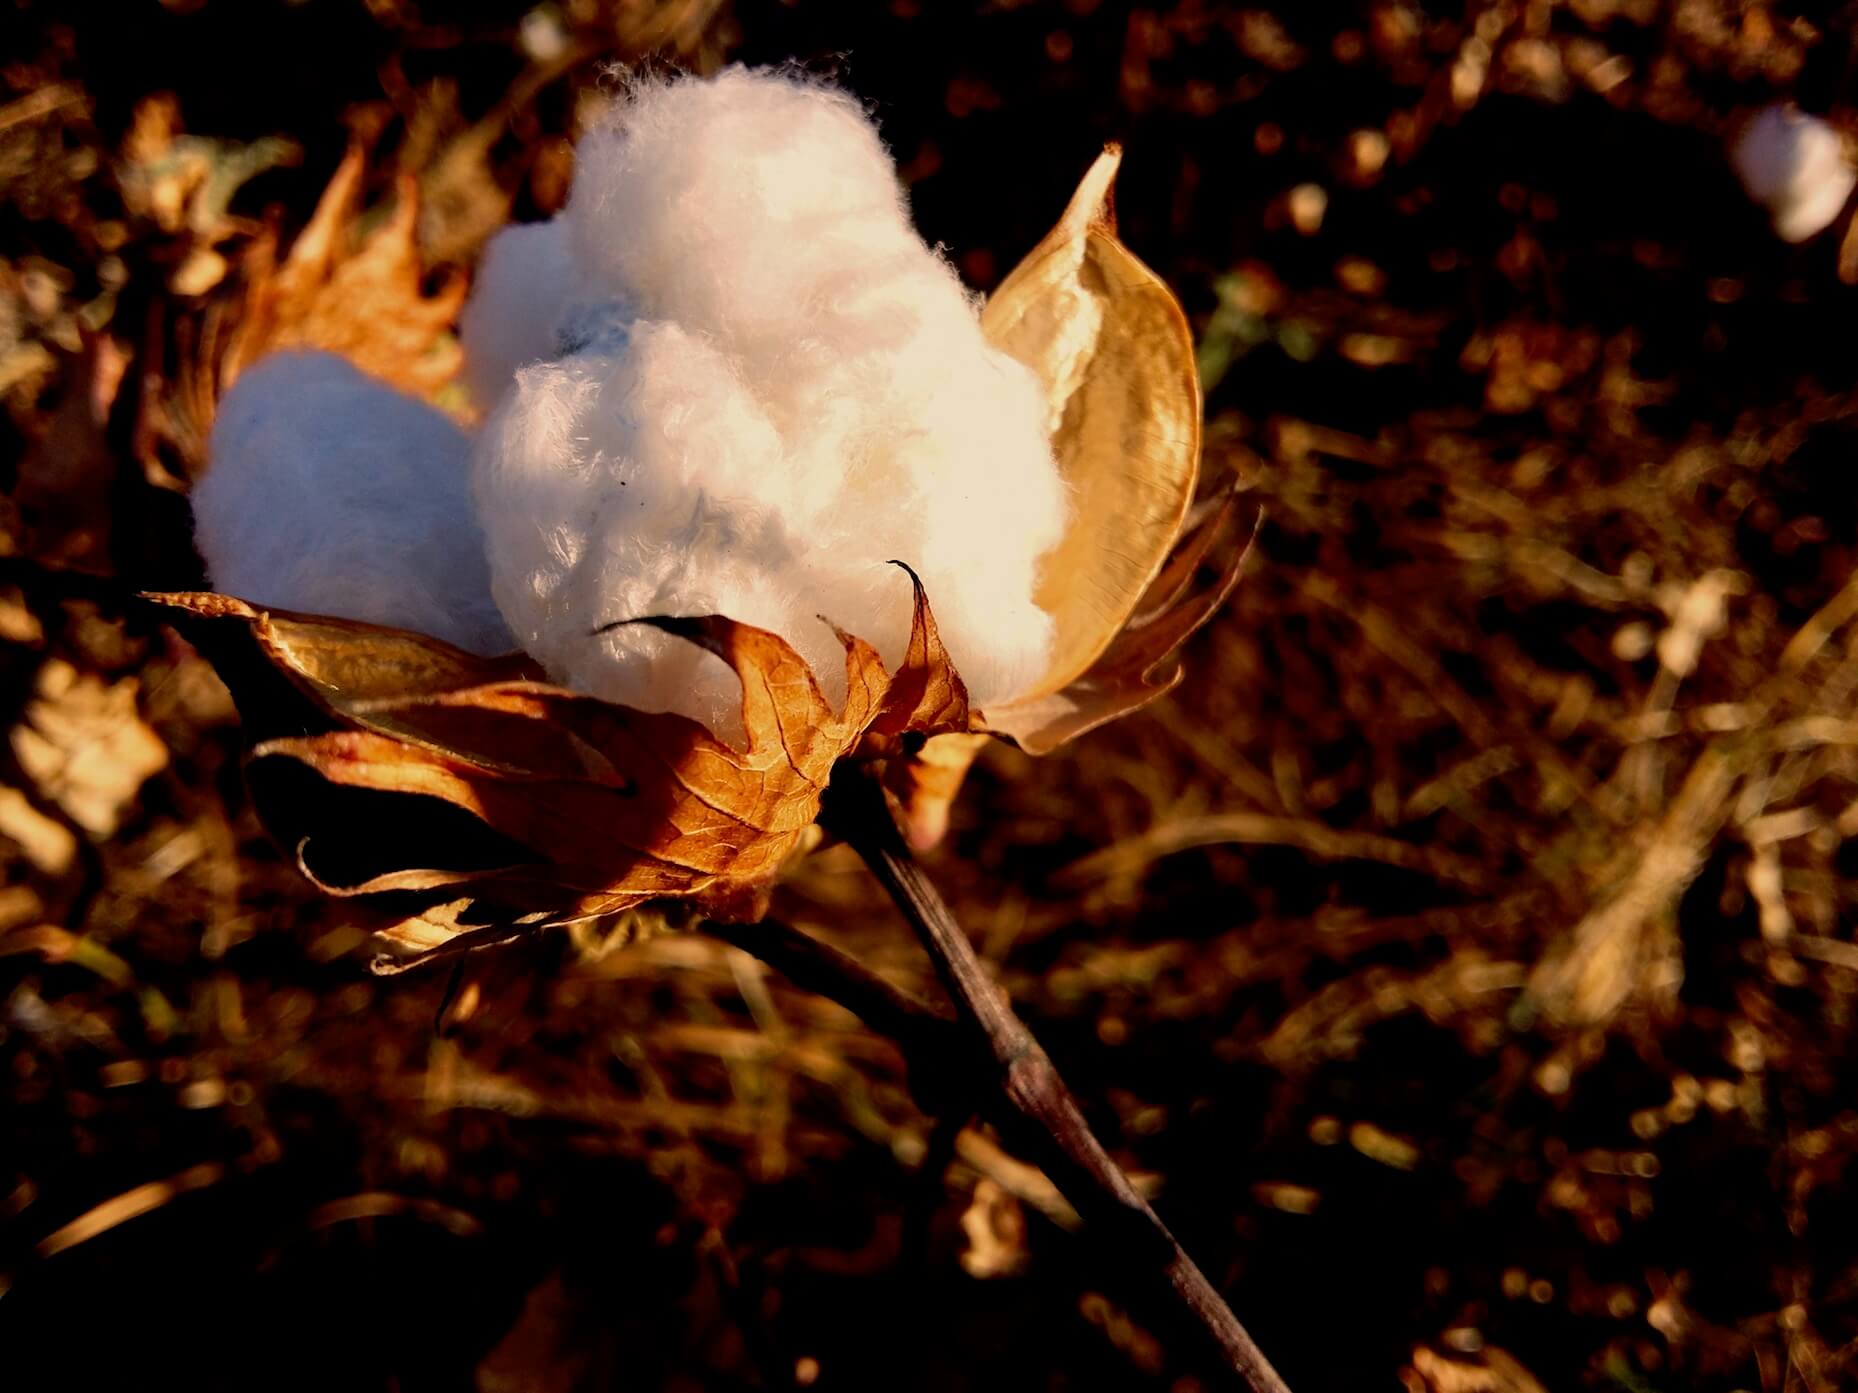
(330, 492)
(526, 280)
(769, 388)
(1794, 166)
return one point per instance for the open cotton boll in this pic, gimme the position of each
(1794, 166)
(526, 280)
(779, 389)
(330, 492)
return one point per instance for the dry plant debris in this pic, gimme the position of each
(84, 748)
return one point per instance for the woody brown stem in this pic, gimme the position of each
(1050, 1124)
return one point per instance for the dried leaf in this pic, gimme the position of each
(1115, 352)
(393, 765)
(927, 694)
(925, 784)
(995, 1229)
(46, 843)
(84, 747)
(362, 295)
(186, 183)
(333, 665)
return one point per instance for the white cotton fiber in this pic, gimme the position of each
(525, 282)
(1794, 166)
(330, 492)
(771, 389)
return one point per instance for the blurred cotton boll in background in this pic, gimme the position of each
(1794, 165)
(330, 492)
(770, 388)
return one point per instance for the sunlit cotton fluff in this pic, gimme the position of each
(1794, 166)
(330, 492)
(526, 281)
(769, 389)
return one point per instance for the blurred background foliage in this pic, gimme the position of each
(1464, 956)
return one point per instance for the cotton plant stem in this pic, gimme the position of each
(1028, 1082)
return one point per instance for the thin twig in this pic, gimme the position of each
(922, 1032)
(1028, 1082)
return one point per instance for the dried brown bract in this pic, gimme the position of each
(363, 295)
(394, 765)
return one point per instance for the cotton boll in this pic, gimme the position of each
(773, 389)
(1794, 165)
(330, 492)
(526, 282)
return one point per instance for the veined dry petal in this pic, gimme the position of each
(1115, 352)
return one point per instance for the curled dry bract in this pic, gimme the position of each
(396, 765)
(1109, 341)
(475, 800)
